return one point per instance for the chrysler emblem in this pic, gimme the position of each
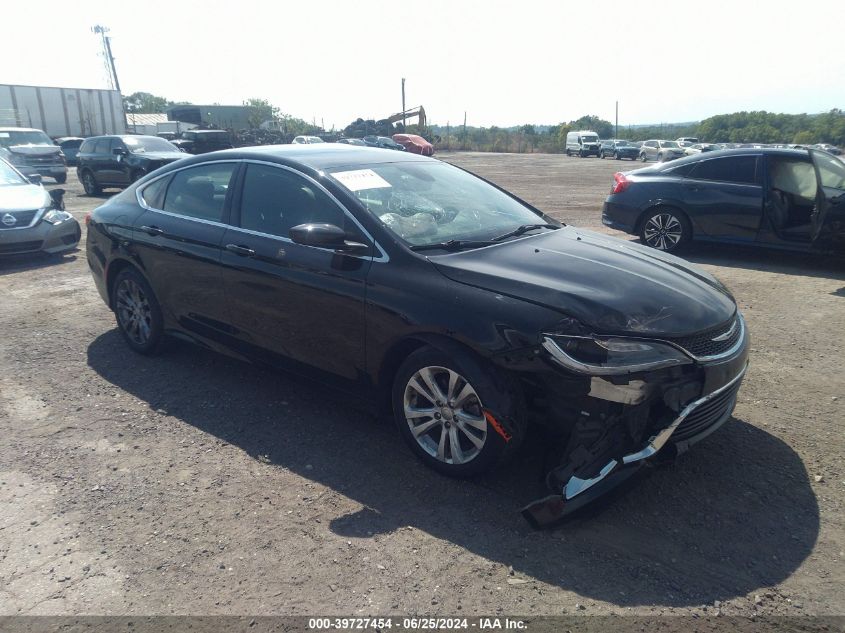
(726, 335)
(9, 219)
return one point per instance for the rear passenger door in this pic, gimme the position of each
(177, 241)
(724, 197)
(297, 306)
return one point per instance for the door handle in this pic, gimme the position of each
(152, 230)
(243, 251)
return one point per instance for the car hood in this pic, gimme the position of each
(23, 198)
(613, 286)
(35, 150)
(169, 156)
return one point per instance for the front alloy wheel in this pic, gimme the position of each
(445, 415)
(664, 231)
(89, 183)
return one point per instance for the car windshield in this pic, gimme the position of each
(12, 138)
(143, 144)
(622, 144)
(430, 203)
(589, 139)
(9, 176)
(668, 144)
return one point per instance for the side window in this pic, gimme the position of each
(87, 147)
(738, 169)
(200, 192)
(274, 200)
(682, 170)
(114, 143)
(153, 194)
(101, 146)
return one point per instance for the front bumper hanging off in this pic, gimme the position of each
(577, 492)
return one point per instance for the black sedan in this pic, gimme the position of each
(465, 311)
(792, 199)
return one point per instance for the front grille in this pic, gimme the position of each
(707, 414)
(702, 344)
(22, 219)
(38, 160)
(20, 247)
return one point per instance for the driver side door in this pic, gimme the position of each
(828, 218)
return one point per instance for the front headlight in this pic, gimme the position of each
(611, 356)
(54, 216)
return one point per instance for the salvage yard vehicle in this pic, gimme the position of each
(31, 219)
(792, 199)
(660, 151)
(384, 142)
(466, 311)
(351, 141)
(118, 161)
(415, 144)
(203, 141)
(307, 140)
(32, 152)
(618, 149)
(70, 148)
(583, 143)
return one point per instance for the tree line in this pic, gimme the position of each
(739, 127)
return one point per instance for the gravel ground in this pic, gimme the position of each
(194, 484)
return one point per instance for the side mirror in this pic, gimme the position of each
(325, 236)
(57, 196)
(35, 179)
(119, 151)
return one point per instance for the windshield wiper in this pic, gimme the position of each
(452, 245)
(524, 229)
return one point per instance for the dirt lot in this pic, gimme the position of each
(193, 484)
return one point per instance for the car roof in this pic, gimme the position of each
(319, 156)
(744, 151)
(20, 129)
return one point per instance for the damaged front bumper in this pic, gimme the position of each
(695, 421)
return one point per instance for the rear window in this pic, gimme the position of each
(153, 194)
(200, 192)
(738, 169)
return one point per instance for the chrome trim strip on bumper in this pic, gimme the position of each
(575, 485)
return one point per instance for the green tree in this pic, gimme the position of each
(261, 110)
(145, 103)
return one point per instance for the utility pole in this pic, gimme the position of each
(403, 104)
(102, 30)
(448, 136)
(464, 142)
(616, 134)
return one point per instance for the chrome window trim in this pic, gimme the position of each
(382, 258)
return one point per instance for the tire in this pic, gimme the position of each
(665, 229)
(616, 155)
(60, 180)
(480, 444)
(643, 158)
(601, 155)
(660, 158)
(90, 184)
(569, 153)
(581, 153)
(137, 312)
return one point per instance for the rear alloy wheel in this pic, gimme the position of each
(642, 157)
(441, 408)
(665, 230)
(89, 183)
(60, 180)
(137, 311)
(569, 153)
(601, 155)
(616, 155)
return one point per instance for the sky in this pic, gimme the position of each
(503, 63)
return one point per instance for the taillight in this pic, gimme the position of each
(620, 183)
(87, 218)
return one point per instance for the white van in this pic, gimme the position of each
(582, 143)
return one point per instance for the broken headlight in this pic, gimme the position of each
(56, 216)
(611, 356)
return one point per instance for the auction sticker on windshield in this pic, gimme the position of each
(359, 179)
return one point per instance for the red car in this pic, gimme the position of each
(414, 143)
